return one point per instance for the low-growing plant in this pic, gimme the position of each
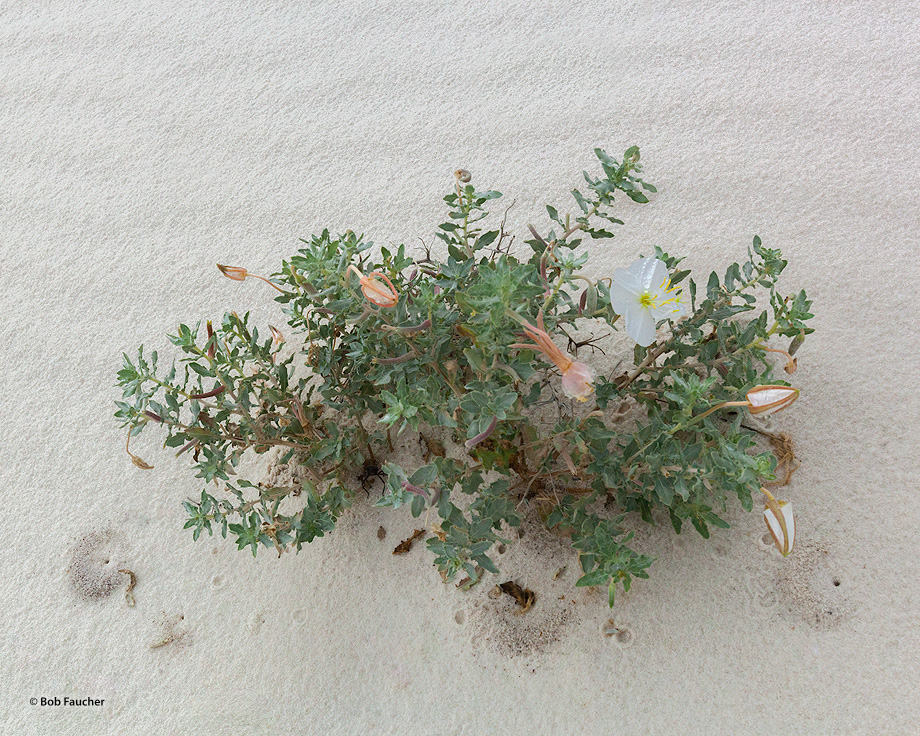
(478, 353)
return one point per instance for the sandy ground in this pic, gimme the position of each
(142, 142)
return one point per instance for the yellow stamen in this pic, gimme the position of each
(667, 288)
(654, 301)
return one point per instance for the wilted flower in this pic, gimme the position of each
(577, 378)
(770, 399)
(375, 290)
(140, 463)
(277, 337)
(780, 522)
(134, 458)
(643, 294)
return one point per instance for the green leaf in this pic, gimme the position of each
(485, 239)
(597, 577)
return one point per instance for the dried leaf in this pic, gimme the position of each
(523, 597)
(432, 447)
(406, 544)
(784, 449)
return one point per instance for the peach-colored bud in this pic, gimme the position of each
(770, 399)
(233, 272)
(277, 337)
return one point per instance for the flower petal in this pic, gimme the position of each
(640, 326)
(651, 273)
(622, 298)
(671, 310)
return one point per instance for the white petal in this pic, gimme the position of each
(625, 278)
(640, 326)
(786, 508)
(769, 396)
(621, 297)
(672, 310)
(777, 531)
(650, 273)
(770, 399)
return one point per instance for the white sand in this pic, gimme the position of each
(142, 142)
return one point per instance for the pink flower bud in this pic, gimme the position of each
(212, 351)
(415, 489)
(483, 435)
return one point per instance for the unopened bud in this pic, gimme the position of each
(415, 489)
(233, 272)
(211, 349)
(277, 337)
(463, 175)
(780, 523)
(771, 399)
(591, 300)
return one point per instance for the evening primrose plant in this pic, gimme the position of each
(475, 356)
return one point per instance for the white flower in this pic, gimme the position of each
(643, 295)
